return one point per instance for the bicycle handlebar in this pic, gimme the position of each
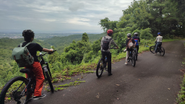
(46, 53)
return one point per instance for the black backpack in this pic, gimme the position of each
(106, 42)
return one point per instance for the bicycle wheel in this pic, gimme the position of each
(99, 69)
(162, 51)
(49, 81)
(152, 49)
(134, 59)
(14, 91)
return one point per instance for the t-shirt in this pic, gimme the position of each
(136, 39)
(159, 38)
(128, 41)
(33, 48)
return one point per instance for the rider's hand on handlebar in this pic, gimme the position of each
(125, 50)
(51, 50)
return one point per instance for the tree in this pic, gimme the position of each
(85, 37)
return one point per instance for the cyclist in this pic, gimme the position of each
(130, 43)
(36, 67)
(137, 40)
(105, 49)
(159, 39)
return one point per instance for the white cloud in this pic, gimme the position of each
(49, 20)
(59, 15)
(79, 21)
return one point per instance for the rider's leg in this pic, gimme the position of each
(37, 70)
(126, 59)
(156, 47)
(137, 48)
(109, 63)
(103, 58)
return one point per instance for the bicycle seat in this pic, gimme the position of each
(25, 71)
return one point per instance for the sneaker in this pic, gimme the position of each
(125, 63)
(38, 97)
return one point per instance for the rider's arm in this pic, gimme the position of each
(47, 50)
(101, 42)
(133, 41)
(112, 42)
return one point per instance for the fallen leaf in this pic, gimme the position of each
(98, 96)
(117, 98)
(168, 88)
(117, 85)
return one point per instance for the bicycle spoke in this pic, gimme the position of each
(15, 93)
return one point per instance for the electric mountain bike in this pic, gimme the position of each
(102, 66)
(160, 50)
(19, 90)
(132, 56)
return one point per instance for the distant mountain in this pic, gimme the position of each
(16, 35)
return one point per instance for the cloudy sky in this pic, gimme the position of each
(71, 16)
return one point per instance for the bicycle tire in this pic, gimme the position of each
(49, 81)
(8, 85)
(134, 59)
(152, 49)
(99, 68)
(163, 51)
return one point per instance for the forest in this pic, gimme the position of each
(74, 52)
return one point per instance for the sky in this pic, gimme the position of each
(59, 16)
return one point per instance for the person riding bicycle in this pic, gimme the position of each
(106, 42)
(137, 40)
(159, 39)
(36, 66)
(130, 43)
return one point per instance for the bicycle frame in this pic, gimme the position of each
(44, 68)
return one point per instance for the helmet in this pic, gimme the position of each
(135, 34)
(129, 35)
(159, 33)
(109, 32)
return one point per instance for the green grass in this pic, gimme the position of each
(181, 95)
(169, 40)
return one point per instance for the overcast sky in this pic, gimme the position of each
(71, 16)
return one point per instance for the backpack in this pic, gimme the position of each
(130, 44)
(22, 56)
(106, 42)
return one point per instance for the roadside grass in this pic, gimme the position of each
(181, 95)
(169, 40)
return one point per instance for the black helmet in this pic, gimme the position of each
(129, 35)
(135, 34)
(28, 34)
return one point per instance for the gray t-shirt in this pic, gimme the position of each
(111, 42)
(159, 38)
